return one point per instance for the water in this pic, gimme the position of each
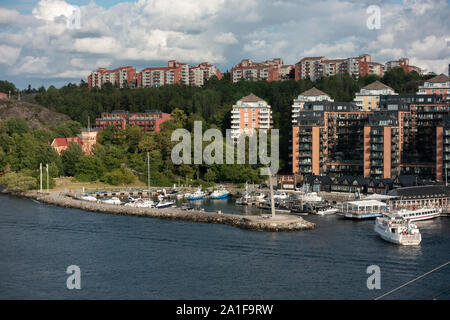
(124, 257)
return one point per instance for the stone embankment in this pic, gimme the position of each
(259, 223)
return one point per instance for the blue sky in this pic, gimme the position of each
(37, 47)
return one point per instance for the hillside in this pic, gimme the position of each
(36, 115)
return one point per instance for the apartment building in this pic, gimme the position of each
(120, 77)
(310, 95)
(175, 73)
(368, 98)
(406, 135)
(402, 63)
(269, 70)
(249, 114)
(202, 72)
(316, 67)
(148, 121)
(437, 85)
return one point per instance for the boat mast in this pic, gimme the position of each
(272, 204)
(148, 173)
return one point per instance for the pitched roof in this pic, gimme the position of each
(251, 98)
(313, 92)
(376, 85)
(60, 142)
(440, 78)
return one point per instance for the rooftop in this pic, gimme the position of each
(376, 85)
(440, 78)
(313, 92)
(251, 98)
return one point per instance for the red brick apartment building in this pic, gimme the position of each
(148, 121)
(269, 70)
(316, 67)
(402, 63)
(175, 73)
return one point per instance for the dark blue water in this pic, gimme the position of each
(125, 257)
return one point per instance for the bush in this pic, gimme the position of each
(119, 176)
(17, 182)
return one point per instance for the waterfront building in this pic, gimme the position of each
(148, 121)
(438, 85)
(269, 70)
(87, 139)
(368, 98)
(249, 114)
(407, 135)
(402, 63)
(310, 95)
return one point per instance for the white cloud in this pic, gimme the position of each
(8, 54)
(150, 32)
(226, 38)
(51, 9)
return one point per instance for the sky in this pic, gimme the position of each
(41, 43)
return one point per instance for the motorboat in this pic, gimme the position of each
(259, 196)
(89, 198)
(164, 204)
(325, 211)
(396, 229)
(222, 193)
(424, 213)
(280, 196)
(197, 195)
(311, 197)
(113, 200)
(140, 203)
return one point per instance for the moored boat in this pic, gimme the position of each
(113, 200)
(424, 213)
(397, 230)
(197, 195)
(325, 211)
(222, 193)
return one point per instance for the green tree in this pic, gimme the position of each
(89, 168)
(70, 158)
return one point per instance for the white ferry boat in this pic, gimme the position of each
(419, 214)
(397, 230)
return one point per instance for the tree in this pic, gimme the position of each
(89, 168)
(70, 158)
(17, 182)
(17, 125)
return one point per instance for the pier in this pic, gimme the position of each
(279, 222)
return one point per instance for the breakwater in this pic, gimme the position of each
(258, 223)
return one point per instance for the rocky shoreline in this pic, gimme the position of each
(258, 223)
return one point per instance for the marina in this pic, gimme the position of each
(163, 259)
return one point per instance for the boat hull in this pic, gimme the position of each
(362, 216)
(223, 196)
(406, 240)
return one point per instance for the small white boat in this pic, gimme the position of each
(113, 200)
(280, 196)
(259, 196)
(397, 230)
(327, 211)
(311, 197)
(140, 203)
(164, 204)
(419, 214)
(89, 198)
